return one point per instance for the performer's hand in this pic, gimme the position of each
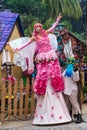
(15, 50)
(60, 16)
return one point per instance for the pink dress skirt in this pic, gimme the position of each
(51, 108)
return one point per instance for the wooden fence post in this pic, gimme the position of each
(27, 97)
(3, 102)
(21, 99)
(9, 100)
(32, 100)
(15, 98)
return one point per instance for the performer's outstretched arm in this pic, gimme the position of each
(51, 29)
(27, 43)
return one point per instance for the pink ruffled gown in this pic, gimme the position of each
(50, 107)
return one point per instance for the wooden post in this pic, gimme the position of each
(32, 100)
(27, 97)
(82, 85)
(9, 100)
(15, 98)
(21, 100)
(3, 102)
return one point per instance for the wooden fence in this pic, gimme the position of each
(16, 102)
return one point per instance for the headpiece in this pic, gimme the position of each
(70, 67)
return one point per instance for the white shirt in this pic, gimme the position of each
(68, 49)
(70, 82)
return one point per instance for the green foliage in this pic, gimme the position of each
(70, 8)
(28, 24)
(81, 36)
(48, 23)
(24, 80)
(84, 89)
(67, 25)
(43, 11)
(85, 57)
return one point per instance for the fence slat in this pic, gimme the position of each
(27, 98)
(32, 100)
(9, 100)
(3, 102)
(15, 98)
(21, 99)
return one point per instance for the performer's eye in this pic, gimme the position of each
(38, 26)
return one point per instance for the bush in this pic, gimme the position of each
(84, 89)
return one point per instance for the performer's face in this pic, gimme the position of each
(38, 27)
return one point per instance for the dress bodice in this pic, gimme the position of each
(43, 44)
(44, 50)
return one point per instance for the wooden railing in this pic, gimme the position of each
(16, 102)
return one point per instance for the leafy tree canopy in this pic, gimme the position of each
(44, 11)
